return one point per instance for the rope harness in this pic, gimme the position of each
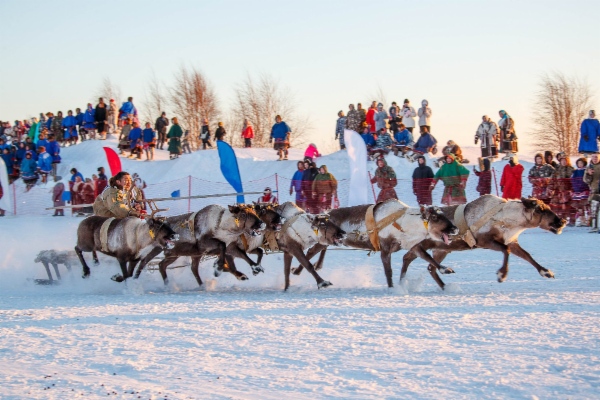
(104, 234)
(466, 232)
(374, 227)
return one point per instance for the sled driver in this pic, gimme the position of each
(115, 200)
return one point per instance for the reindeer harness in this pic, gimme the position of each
(373, 227)
(466, 232)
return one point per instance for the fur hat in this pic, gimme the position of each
(583, 160)
(548, 153)
(541, 156)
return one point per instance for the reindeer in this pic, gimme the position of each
(129, 240)
(54, 258)
(493, 223)
(208, 232)
(388, 227)
(300, 232)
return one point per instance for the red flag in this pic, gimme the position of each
(114, 163)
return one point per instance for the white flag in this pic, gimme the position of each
(5, 202)
(359, 178)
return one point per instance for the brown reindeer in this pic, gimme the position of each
(130, 240)
(209, 232)
(395, 226)
(491, 223)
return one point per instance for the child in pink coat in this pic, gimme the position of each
(311, 152)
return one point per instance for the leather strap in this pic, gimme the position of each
(191, 222)
(104, 234)
(373, 227)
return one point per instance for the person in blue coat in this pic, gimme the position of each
(54, 150)
(28, 167)
(79, 119)
(20, 153)
(9, 161)
(403, 139)
(149, 140)
(44, 164)
(281, 133)
(89, 122)
(296, 184)
(75, 174)
(69, 124)
(590, 134)
(135, 141)
(368, 137)
(426, 142)
(128, 110)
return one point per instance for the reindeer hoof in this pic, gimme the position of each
(296, 270)
(217, 271)
(445, 270)
(257, 269)
(117, 278)
(242, 277)
(324, 284)
(547, 274)
(501, 276)
(96, 263)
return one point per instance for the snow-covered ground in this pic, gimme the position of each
(526, 338)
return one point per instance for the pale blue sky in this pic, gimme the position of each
(468, 58)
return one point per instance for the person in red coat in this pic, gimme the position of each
(511, 182)
(247, 133)
(370, 119)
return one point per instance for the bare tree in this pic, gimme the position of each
(561, 104)
(260, 100)
(379, 96)
(155, 100)
(108, 90)
(192, 99)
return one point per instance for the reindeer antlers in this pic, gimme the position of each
(155, 208)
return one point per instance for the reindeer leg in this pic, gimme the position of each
(287, 263)
(219, 265)
(55, 265)
(439, 255)
(155, 251)
(310, 254)
(517, 250)
(131, 267)
(162, 267)
(95, 257)
(433, 264)
(409, 257)
(123, 276)
(258, 251)
(497, 246)
(309, 267)
(233, 270)
(321, 260)
(195, 265)
(86, 269)
(48, 270)
(386, 259)
(68, 265)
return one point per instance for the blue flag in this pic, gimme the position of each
(230, 169)
(176, 193)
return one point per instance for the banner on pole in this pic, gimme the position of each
(359, 178)
(230, 169)
(114, 163)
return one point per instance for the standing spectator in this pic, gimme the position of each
(89, 121)
(76, 197)
(220, 132)
(205, 135)
(296, 184)
(128, 110)
(174, 136)
(33, 129)
(44, 164)
(185, 143)
(57, 199)
(102, 182)
(425, 115)
(353, 120)
(508, 136)
(69, 124)
(267, 197)
(394, 110)
(310, 172)
(487, 132)
(57, 128)
(592, 175)
(101, 116)
(422, 180)
(590, 134)
(561, 189)
(54, 150)
(484, 186)
(20, 154)
(311, 152)
(370, 117)
(161, 128)
(247, 133)
(408, 115)
(75, 174)
(149, 140)
(385, 177)
(324, 188)
(86, 194)
(135, 141)
(363, 115)
(49, 119)
(340, 125)
(79, 116)
(112, 115)
(581, 191)
(29, 170)
(511, 183)
(281, 133)
(380, 117)
(549, 158)
(454, 176)
(403, 140)
(9, 161)
(539, 176)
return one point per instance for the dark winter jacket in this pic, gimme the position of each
(422, 179)
(161, 124)
(425, 143)
(220, 133)
(385, 177)
(205, 133)
(308, 176)
(100, 114)
(485, 179)
(324, 183)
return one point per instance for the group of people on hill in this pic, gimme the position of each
(316, 188)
